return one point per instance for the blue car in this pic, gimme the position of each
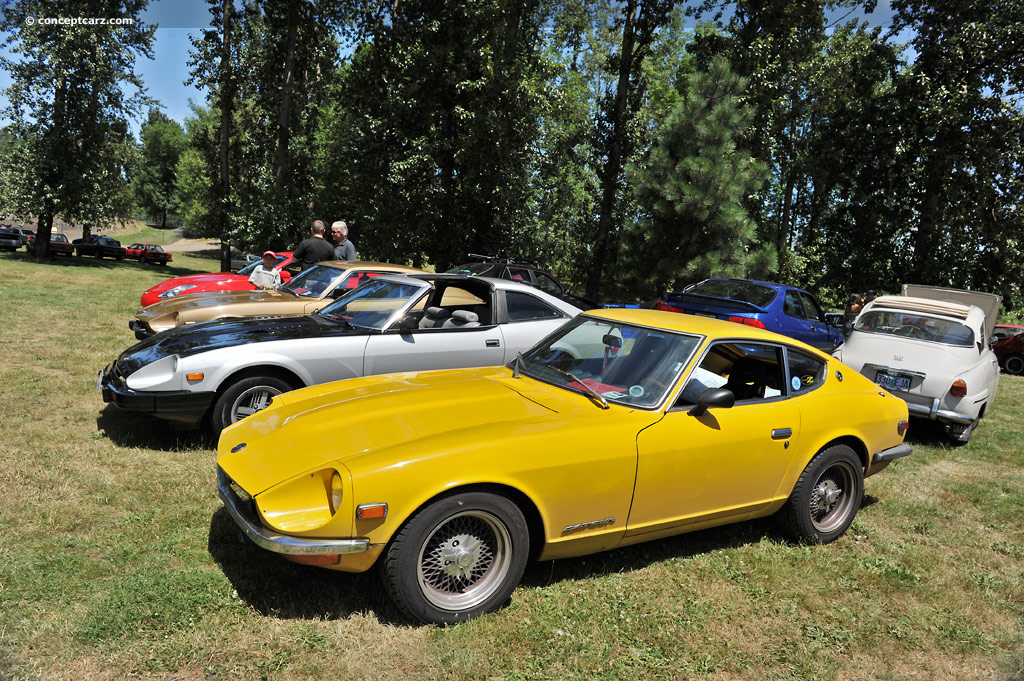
(783, 309)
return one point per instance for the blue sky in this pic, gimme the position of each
(165, 74)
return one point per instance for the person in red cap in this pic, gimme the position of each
(264, 277)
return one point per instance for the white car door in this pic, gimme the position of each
(424, 349)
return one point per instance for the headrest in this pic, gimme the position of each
(465, 316)
(437, 312)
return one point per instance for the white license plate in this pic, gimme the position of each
(705, 314)
(890, 382)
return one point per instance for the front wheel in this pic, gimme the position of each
(826, 497)
(1014, 364)
(458, 558)
(245, 398)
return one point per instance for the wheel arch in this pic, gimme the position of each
(252, 371)
(854, 443)
(526, 506)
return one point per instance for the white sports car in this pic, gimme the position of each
(930, 347)
(228, 369)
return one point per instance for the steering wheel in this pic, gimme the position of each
(911, 331)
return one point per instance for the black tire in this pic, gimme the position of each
(457, 558)
(826, 497)
(247, 395)
(1014, 364)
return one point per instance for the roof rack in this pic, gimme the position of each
(505, 258)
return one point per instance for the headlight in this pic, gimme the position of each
(159, 375)
(335, 493)
(176, 291)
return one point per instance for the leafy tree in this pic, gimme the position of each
(163, 142)
(195, 176)
(692, 188)
(68, 107)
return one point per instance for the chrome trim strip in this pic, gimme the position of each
(892, 453)
(935, 414)
(279, 543)
(882, 367)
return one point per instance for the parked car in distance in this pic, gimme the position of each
(783, 309)
(213, 282)
(24, 234)
(230, 369)
(929, 347)
(1002, 331)
(100, 246)
(1009, 353)
(10, 240)
(304, 293)
(148, 253)
(239, 262)
(526, 271)
(621, 427)
(59, 244)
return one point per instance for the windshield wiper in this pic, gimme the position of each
(516, 363)
(285, 288)
(599, 396)
(336, 318)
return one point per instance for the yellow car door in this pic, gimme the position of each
(727, 462)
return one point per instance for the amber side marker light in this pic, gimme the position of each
(195, 377)
(902, 426)
(372, 511)
(959, 388)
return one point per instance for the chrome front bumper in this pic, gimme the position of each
(280, 543)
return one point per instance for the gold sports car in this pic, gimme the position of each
(304, 293)
(620, 427)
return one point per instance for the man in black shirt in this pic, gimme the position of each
(315, 248)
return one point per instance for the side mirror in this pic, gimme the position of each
(408, 323)
(713, 397)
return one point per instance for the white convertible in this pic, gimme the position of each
(930, 347)
(225, 370)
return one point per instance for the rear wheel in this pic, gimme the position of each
(1014, 364)
(826, 497)
(245, 398)
(458, 558)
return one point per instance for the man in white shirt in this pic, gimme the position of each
(265, 277)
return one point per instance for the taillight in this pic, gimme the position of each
(749, 321)
(668, 308)
(959, 388)
(902, 426)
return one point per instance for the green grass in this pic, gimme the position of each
(117, 560)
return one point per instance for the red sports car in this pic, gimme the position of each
(1010, 353)
(218, 281)
(149, 253)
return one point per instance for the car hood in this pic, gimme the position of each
(364, 422)
(205, 336)
(201, 301)
(213, 278)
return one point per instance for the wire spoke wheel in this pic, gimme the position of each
(464, 560)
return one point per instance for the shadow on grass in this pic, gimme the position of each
(930, 433)
(276, 587)
(134, 429)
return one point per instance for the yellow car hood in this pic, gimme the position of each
(364, 416)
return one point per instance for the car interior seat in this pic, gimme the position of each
(746, 379)
(461, 319)
(434, 317)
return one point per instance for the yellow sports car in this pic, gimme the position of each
(304, 293)
(620, 427)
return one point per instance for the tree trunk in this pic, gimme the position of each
(41, 248)
(226, 100)
(613, 166)
(284, 113)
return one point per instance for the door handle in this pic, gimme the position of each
(492, 343)
(781, 433)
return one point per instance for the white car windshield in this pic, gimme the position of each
(630, 365)
(373, 303)
(916, 325)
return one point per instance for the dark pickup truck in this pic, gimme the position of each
(100, 246)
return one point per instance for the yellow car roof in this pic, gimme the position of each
(688, 323)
